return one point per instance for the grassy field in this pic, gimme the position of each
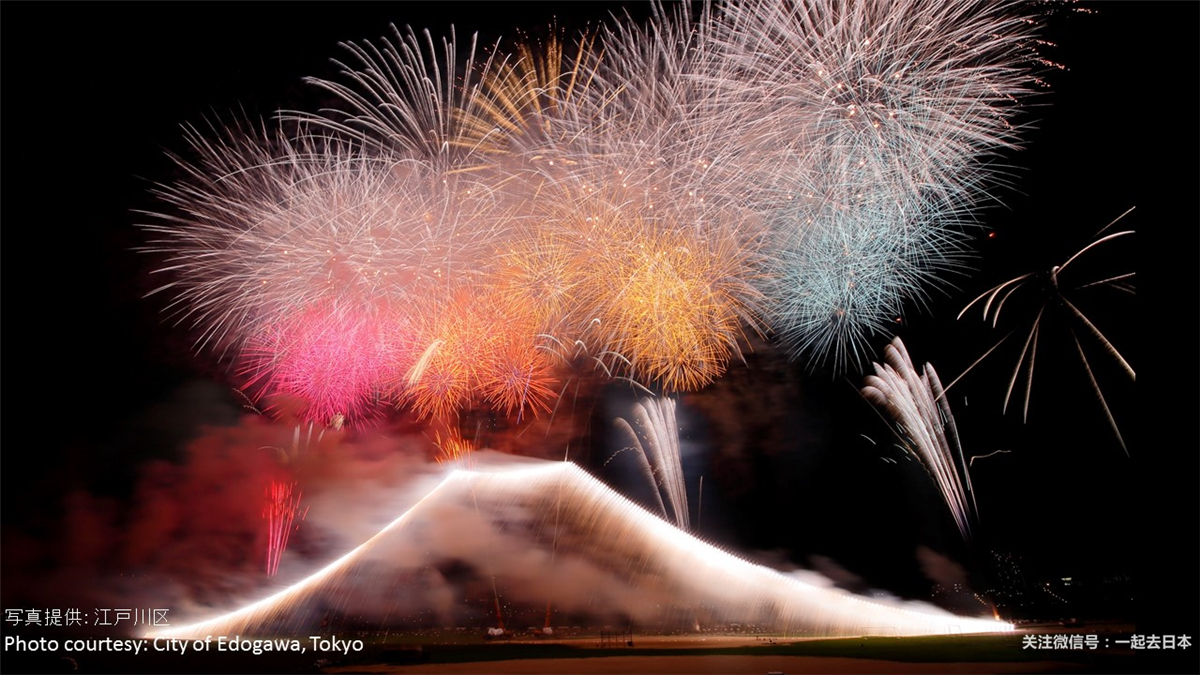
(452, 649)
(937, 649)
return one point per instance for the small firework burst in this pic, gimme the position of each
(452, 448)
(917, 404)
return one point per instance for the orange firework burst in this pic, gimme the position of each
(452, 448)
(516, 375)
(677, 324)
(519, 98)
(538, 273)
(439, 383)
(479, 344)
(666, 304)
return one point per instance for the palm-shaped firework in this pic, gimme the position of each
(1055, 288)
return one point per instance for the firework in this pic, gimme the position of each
(612, 179)
(267, 224)
(311, 262)
(645, 194)
(1055, 291)
(529, 103)
(539, 272)
(453, 448)
(875, 122)
(283, 503)
(849, 271)
(917, 404)
(655, 436)
(519, 377)
(479, 346)
(406, 98)
(329, 360)
(664, 307)
(659, 563)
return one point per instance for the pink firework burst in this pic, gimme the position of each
(329, 358)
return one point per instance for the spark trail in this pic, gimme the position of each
(1056, 289)
(283, 503)
(655, 436)
(917, 404)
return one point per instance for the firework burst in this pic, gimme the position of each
(329, 359)
(268, 224)
(645, 193)
(309, 260)
(1055, 289)
(669, 305)
(876, 122)
(407, 97)
(479, 346)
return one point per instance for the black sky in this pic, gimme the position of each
(94, 94)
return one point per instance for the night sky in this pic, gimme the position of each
(95, 95)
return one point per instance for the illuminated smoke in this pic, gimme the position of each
(589, 547)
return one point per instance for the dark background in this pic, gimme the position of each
(94, 95)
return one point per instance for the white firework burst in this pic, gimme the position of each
(266, 224)
(876, 124)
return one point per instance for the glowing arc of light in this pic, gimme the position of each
(834, 611)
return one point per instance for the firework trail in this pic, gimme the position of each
(598, 529)
(917, 404)
(453, 449)
(655, 436)
(283, 503)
